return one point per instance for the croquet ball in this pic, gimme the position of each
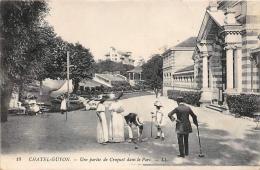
(136, 147)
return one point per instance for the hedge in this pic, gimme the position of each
(189, 97)
(244, 104)
(74, 105)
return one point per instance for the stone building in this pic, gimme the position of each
(120, 56)
(226, 59)
(174, 59)
(183, 79)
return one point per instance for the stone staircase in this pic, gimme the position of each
(216, 107)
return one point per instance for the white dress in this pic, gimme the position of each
(63, 105)
(116, 126)
(102, 129)
(160, 119)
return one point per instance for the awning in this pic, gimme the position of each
(90, 83)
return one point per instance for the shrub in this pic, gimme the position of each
(74, 105)
(87, 90)
(189, 97)
(243, 104)
(136, 87)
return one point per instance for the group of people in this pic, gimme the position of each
(112, 131)
(115, 131)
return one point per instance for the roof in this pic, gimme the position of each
(186, 45)
(188, 69)
(211, 19)
(137, 69)
(124, 53)
(218, 17)
(90, 83)
(112, 77)
(190, 42)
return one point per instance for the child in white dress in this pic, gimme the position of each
(159, 120)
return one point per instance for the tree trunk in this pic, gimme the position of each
(6, 93)
(76, 86)
(40, 87)
(156, 92)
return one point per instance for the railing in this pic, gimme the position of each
(186, 85)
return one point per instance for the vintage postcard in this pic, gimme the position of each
(130, 84)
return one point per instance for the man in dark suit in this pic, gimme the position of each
(183, 125)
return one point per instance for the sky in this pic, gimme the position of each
(143, 27)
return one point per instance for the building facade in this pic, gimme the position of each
(174, 59)
(183, 79)
(226, 59)
(120, 56)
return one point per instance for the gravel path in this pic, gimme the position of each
(225, 140)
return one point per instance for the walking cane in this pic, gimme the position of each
(200, 154)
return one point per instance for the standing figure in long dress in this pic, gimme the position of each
(116, 126)
(102, 129)
(63, 105)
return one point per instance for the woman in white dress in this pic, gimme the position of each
(116, 126)
(102, 129)
(63, 105)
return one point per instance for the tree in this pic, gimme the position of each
(111, 66)
(82, 61)
(55, 62)
(30, 49)
(22, 23)
(153, 73)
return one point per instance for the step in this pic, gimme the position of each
(214, 108)
(219, 106)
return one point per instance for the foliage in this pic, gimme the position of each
(76, 105)
(153, 73)
(22, 29)
(244, 104)
(111, 66)
(189, 97)
(30, 49)
(82, 61)
(119, 83)
(23, 34)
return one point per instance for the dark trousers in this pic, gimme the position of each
(183, 141)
